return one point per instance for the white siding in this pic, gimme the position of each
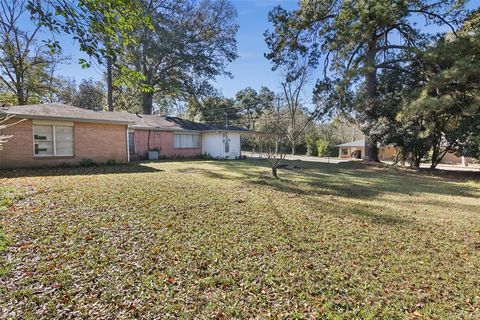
(213, 145)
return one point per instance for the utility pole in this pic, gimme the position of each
(226, 120)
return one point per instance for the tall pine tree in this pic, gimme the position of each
(355, 39)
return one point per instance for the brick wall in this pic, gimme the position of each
(162, 140)
(95, 141)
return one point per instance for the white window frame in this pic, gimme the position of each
(53, 124)
(188, 134)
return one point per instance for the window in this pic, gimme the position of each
(53, 140)
(131, 142)
(186, 141)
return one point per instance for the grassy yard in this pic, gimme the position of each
(220, 239)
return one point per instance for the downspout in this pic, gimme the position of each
(128, 145)
(148, 140)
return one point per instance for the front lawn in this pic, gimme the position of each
(203, 239)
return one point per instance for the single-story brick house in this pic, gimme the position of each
(55, 134)
(356, 149)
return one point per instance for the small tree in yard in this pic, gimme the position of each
(272, 141)
(298, 117)
(273, 147)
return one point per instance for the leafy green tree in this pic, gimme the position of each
(25, 64)
(391, 125)
(252, 104)
(89, 94)
(103, 29)
(215, 110)
(450, 92)
(354, 40)
(65, 90)
(311, 137)
(271, 140)
(432, 105)
(188, 42)
(323, 147)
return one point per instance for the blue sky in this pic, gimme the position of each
(251, 69)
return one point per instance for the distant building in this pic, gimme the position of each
(356, 150)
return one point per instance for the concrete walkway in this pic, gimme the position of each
(300, 157)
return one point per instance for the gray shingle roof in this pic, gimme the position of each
(357, 143)
(63, 112)
(135, 121)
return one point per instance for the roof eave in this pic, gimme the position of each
(36, 117)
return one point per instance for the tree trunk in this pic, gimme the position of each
(20, 96)
(274, 172)
(109, 84)
(371, 149)
(416, 162)
(437, 153)
(437, 158)
(147, 102)
(293, 149)
(147, 97)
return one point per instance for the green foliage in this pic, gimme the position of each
(253, 104)
(111, 162)
(87, 162)
(325, 148)
(353, 41)
(175, 59)
(432, 106)
(213, 109)
(102, 27)
(311, 143)
(7, 98)
(26, 66)
(322, 147)
(90, 95)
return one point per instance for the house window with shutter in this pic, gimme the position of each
(53, 140)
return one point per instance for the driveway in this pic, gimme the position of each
(334, 160)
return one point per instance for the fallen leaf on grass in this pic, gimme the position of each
(170, 281)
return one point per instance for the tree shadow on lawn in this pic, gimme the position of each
(375, 217)
(349, 180)
(77, 170)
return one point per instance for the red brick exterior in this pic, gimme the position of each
(96, 141)
(162, 140)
